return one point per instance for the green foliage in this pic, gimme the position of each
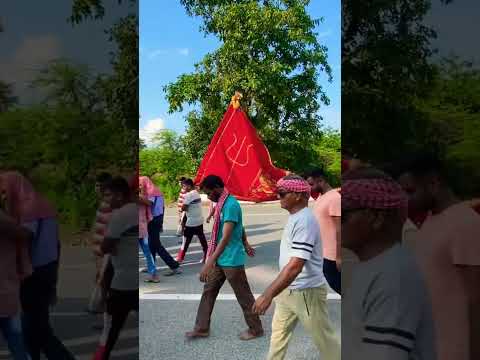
(62, 148)
(6, 97)
(68, 85)
(451, 115)
(87, 123)
(165, 162)
(122, 88)
(396, 99)
(271, 54)
(89, 9)
(329, 152)
(385, 68)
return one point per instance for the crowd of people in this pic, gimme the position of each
(407, 244)
(413, 290)
(410, 291)
(30, 253)
(30, 250)
(300, 289)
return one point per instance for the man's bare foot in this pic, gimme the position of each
(249, 335)
(195, 334)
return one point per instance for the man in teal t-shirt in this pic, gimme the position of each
(234, 253)
(226, 263)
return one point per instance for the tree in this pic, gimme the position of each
(6, 94)
(120, 90)
(329, 152)
(68, 85)
(270, 53)
(386, 66)
(165, 162)
(451, 116)
(7, 99)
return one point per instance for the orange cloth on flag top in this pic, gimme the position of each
(238, 155)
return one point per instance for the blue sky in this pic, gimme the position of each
(171, 43)
(36, 34)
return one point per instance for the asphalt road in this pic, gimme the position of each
(168, 309)
(70, 321)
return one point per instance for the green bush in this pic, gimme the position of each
(165, 161)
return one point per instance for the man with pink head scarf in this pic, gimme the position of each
(300, 290)
(15, 266)
(38, 292)
(152, 210)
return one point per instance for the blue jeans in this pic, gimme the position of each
(152, 269)
(11, 328)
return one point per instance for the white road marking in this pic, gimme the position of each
(196, 297)
(245, 215)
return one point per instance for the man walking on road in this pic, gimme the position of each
(192, 206)
(225, 261)
(328, 211)
(300, 288)
(121, 242)
(448, 251)
(386, 306)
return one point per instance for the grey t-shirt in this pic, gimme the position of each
(386, 313)
(123, 226)
(301, 239)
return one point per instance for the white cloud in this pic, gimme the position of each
(153, 54)
(324, 34)
(156, 53)
(32, 55)
(151, 128)
(184, 51)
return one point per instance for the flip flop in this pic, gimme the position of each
(152, 281)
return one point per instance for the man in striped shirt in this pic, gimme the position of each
(102, 218)
(181, 213)
(386, 309)
(300, 290)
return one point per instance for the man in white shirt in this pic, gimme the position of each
(121, 241)
(300, 289)
(192, 205)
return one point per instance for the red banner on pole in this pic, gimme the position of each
(238, 155)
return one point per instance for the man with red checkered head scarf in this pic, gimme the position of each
(300, 290)
(386, 309)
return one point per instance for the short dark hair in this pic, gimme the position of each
(187, 182)
(316, 174)
(211, 182)
(183, 178)
(119, 185)
(420, 165)
(103, 178)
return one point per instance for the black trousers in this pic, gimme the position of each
(119, 304)
(156, 247)
(333, 276)
(36, 294)
(190, 232)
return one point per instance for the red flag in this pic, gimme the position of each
(238, 155)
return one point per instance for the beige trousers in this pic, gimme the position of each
(309, 306)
